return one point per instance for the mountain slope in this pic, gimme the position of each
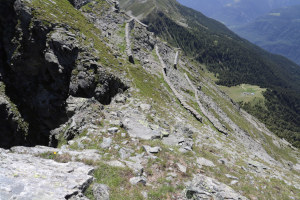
(276, 32)
(143, 117)
(235, 13)
(233, 61)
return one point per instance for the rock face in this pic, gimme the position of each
(41, 65)
(28, 177)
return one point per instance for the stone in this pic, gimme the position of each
(116, 163)
(113, 130)
(165, 133)
(106, 143)
(231, 177)
(145, 107)
(101, 191)
(203, 187)
(296, 167)
(136, 167)
(205, 162)
(223, 161)
(145, 194)
(120, 99)
(149, 149)
(233, 182)
(181, 167)
(172, 174)
(24, 176)
(138, 180)
(137, 129)
(125, 153)
(116, 123)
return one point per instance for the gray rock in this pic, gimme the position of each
(113, 130)
(27, 177)
(231, 177)
(138, 180)
(106, 143)
(223, 161)
(296, 167)
(172, 174)
(101, 191)
(116, 163)
(136, 167)
(73, 104)
(149, 149)
(145, 107)
(125, 153)
(145, 194)
(203, 187)
(136, 129)
(233, 182)
(205, 162)
(181, 167)
(120, 98)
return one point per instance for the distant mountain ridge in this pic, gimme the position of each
(236, 12)
(277, 32)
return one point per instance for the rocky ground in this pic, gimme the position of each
(147, 124)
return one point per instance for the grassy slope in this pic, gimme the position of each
(245, 93)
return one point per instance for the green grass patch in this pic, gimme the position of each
(245, 93)
(117, 179)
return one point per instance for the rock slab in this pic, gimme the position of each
(24, 176)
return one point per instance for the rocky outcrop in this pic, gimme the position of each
(43, 65)
(83, 113)
(203, 187)
(24, 176)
